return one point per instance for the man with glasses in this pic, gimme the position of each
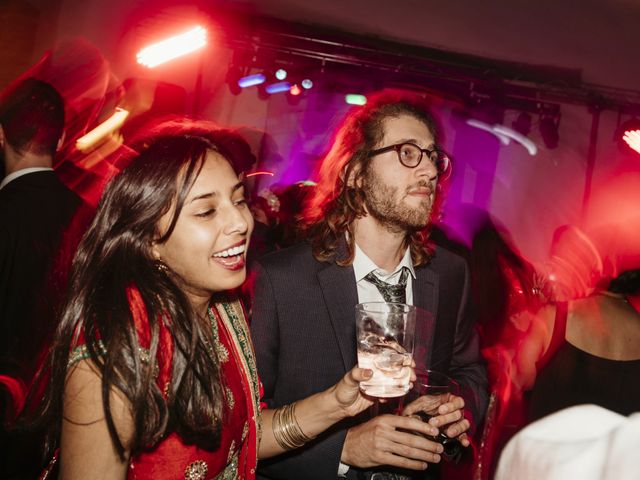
(367, 229)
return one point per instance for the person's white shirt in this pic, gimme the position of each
(24, 171)
(368, 292)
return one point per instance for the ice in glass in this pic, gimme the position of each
(385, 334)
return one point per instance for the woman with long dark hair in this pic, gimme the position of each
(152, 373)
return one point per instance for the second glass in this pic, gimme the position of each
(432, 389)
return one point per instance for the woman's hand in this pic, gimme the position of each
(318, 412)
(351, 400)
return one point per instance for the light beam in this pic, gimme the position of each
(172, 47)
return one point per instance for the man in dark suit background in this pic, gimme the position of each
(35, 208)
(369, 214)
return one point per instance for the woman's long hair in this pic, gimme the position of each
(337, 201)
(627, 283)
(114, 255)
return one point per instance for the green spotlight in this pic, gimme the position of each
(355, 99)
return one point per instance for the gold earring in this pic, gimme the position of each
(162, 267)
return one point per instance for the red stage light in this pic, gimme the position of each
(628, 136)
(172, 47)
(295, 90)
(632, 137)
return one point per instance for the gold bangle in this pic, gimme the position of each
(276, 426)
(286, 430)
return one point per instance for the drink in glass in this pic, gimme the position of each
(431, 389)
(385, 334)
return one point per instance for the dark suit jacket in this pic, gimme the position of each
(34, 211)
(303, 329)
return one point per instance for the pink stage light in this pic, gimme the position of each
(632, 137)
(253, 174)
(172, 47)
(628, 136)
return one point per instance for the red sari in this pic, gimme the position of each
(236, 458)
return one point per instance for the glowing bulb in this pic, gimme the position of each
(632, 137)
(251, 80)
(355, 99)
(278, 87)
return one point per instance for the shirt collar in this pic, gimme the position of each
(363, 265)
(24, 171)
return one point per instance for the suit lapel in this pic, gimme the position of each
(341, 296)
(425, 289)
(425, 297)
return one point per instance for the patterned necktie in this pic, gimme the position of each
(391, 293)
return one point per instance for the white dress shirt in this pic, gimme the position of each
(367, 291)
(19, 173)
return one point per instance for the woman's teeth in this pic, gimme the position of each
(230, 252)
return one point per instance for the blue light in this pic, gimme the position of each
(251, 80)
(278, 87)
(307, 83)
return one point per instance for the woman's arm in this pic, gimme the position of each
(86, 448)
(537, 329)
(318, 412)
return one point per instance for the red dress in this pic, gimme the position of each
(236, 458)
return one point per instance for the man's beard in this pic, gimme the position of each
(385, 204)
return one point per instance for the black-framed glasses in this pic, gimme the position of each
(410, 155)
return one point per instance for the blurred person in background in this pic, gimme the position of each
(35, 210)
(584, 347)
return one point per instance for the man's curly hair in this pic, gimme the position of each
(336, 201)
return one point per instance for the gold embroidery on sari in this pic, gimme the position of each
(196, 470)
(230, 472)
(232, 315)
(221, 351)
(81, 352)
(231, 401)
(232, 450)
